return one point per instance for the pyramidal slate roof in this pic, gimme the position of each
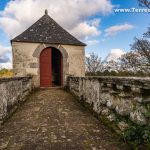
(46, 30)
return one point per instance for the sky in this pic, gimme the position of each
(95, 22)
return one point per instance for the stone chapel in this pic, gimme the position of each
(47, 52)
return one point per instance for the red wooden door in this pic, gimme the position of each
(46, 68)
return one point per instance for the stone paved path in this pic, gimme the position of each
(53, 120)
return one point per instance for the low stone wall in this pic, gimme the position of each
(119, 100)
(13, 91)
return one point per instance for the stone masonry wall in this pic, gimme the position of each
(13, 91)
(121, 101)
(26, 59)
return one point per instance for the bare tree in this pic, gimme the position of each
(93, 63)
(142, 46)
(144, 3)
(130, 62)
(112, 66)
(147, 34)
(139, 58)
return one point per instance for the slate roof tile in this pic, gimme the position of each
(46, 30)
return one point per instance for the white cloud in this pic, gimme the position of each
(4, 50)
(114, 54)
(84, 30)
(7, 65)
(87, 55)
(71, 14)
(113, 30)
(5, 61)
(92, 42)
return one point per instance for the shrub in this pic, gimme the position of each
(138, 136)
(6, 73)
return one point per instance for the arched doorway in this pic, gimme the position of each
(51, 68)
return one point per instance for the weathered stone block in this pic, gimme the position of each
(123, 125)
(97, 107)
(112, 103)
(105, 111)
(136, 89)
(124, 108)
(34, 65)
(111, 117)
(104, 97)
(119, 87)
(138, 117)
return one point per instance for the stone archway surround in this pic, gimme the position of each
(64, 53)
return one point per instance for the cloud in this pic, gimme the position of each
(7, 65)
(4, 50)
(84, 30)
(92, 42)
(114, 54)
(87, 55)
(10, 26)
(113, 30)
(71, 14)
(5, 61)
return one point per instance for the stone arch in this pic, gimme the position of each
(64, 53)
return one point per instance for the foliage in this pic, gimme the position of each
(114, 73)
(137, 135)
(6, 73)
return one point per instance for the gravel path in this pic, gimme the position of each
(52, 119)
